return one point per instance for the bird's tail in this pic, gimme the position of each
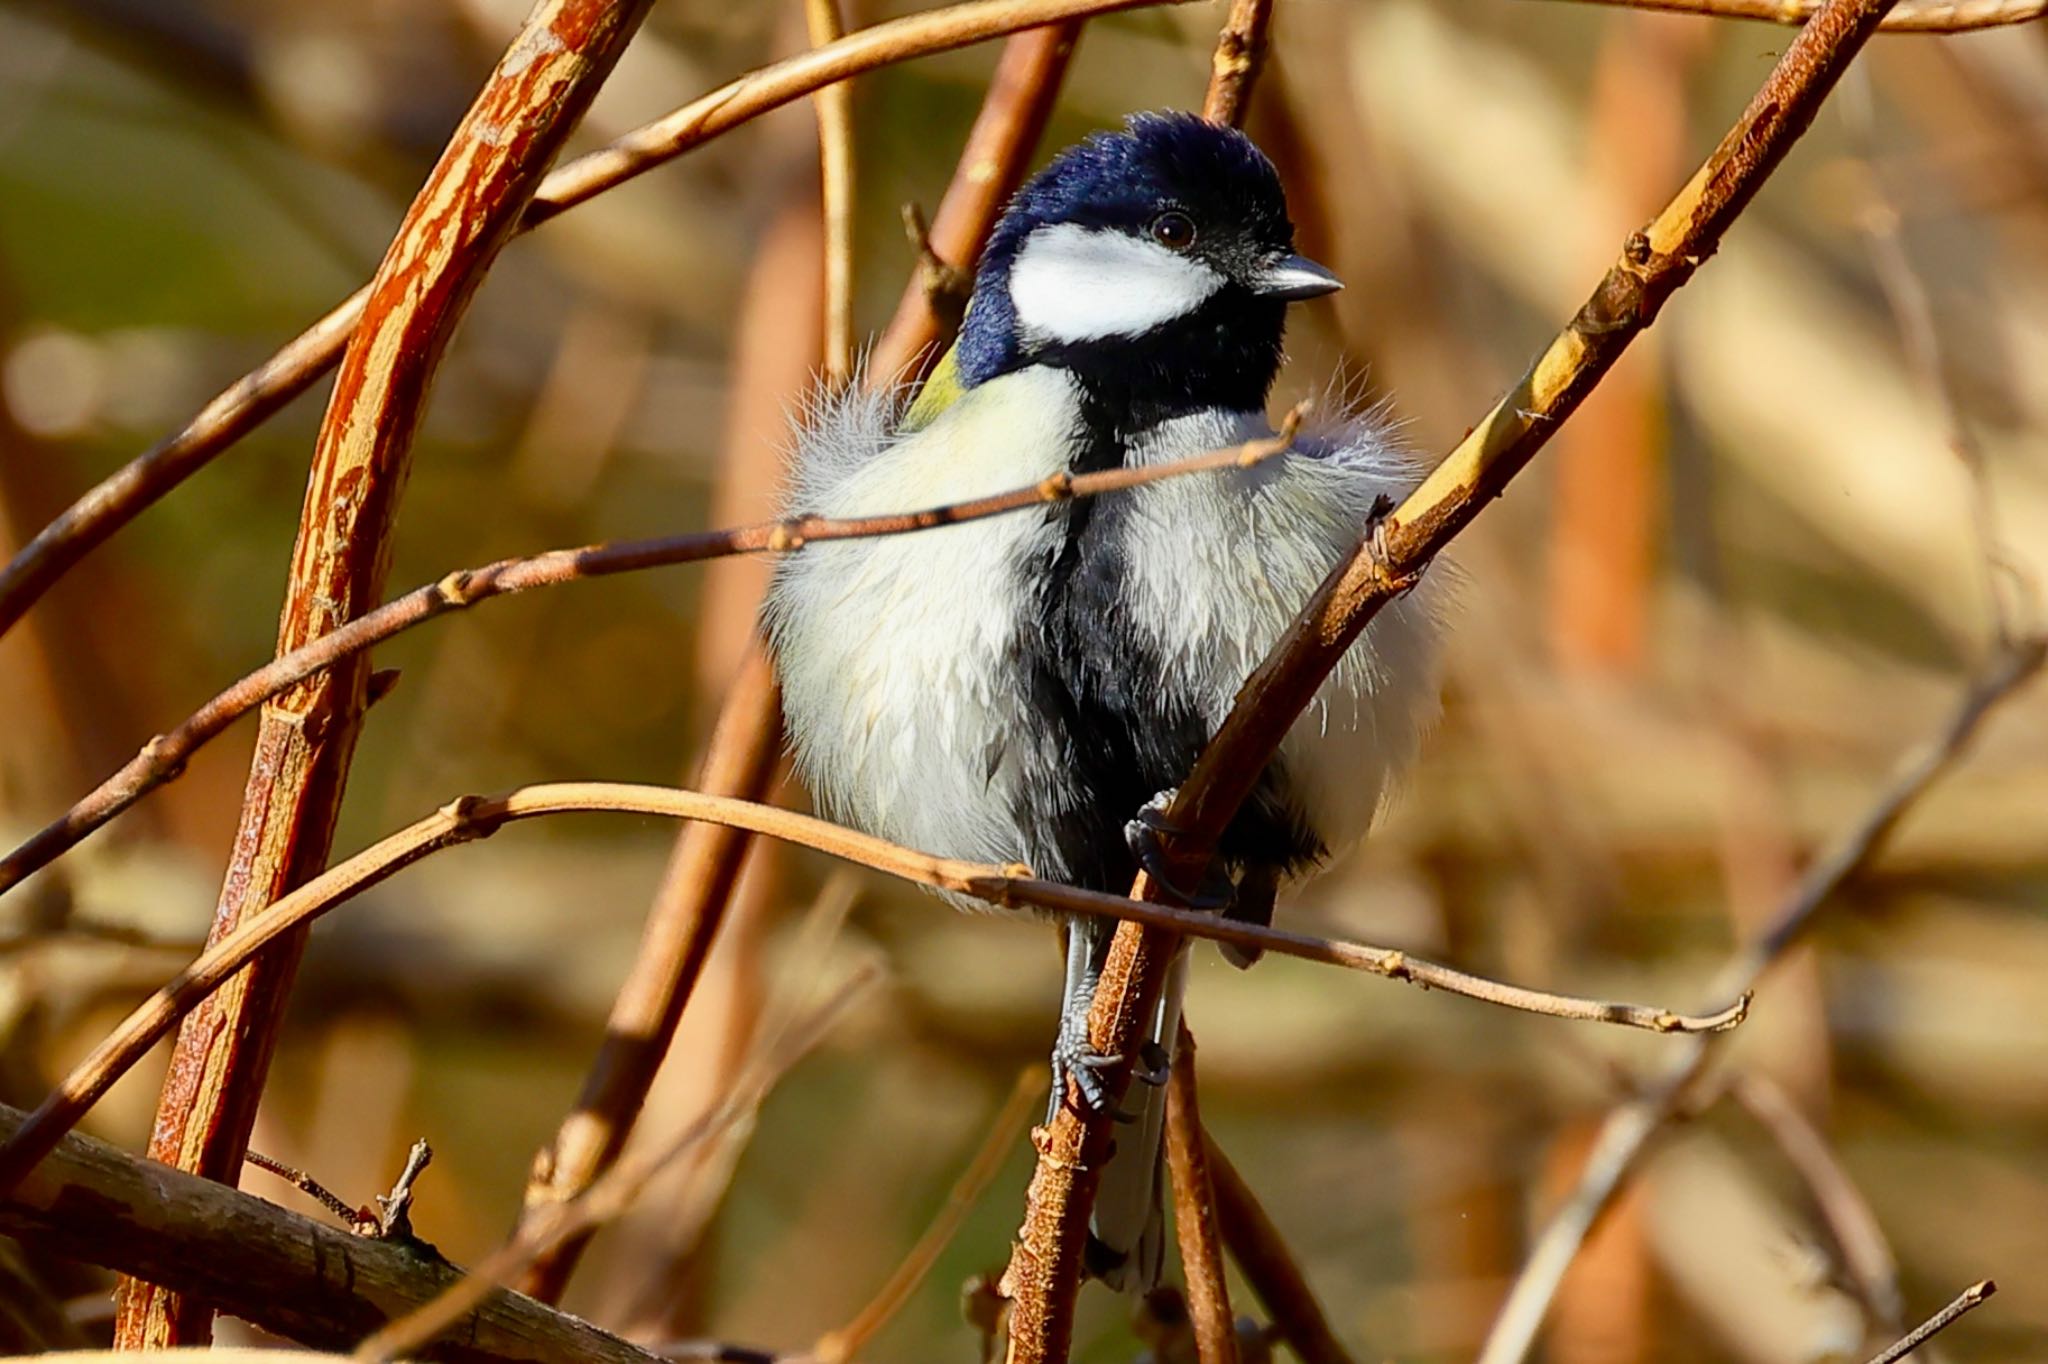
(1127, 1234)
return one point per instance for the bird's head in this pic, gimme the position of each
(1156, 263)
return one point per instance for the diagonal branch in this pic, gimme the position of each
(1911, 16)
(611, 1195)
(1269, 1267)
(1013, 115)
(264, 391)
(1196, 1219)
(462, 217)
(1967, 1300)
(471, 818)
(1627, 1131)
(1045, 1270)
(843, 1343)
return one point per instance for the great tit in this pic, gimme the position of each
(1022, 688)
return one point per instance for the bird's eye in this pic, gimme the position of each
(1174, 230)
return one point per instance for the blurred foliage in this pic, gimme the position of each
(1692, 641)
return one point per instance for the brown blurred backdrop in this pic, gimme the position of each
(1691, 643)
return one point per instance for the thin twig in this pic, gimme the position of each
(845, 1343)
(1269, 1266)
(350, 1217)
(258, 395)
(1912, 312)
(163, 758)
(1013, 115)
(615, 1191)
(462, 217)
(390, 1220)
(1234, 66)
(1872, 1268)
(946, 288)
(1045, 1270)
(472, 818)
(1627, 1130)
(1911, 16)
(1195, 1218)
(834, 104)
(1965, 1301)
(1391, 963)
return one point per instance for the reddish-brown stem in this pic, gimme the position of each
(705, 869)
(834, 104)
(463, 215)
(1045, 1270)
(1195, 1221)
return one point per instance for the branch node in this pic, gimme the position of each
(947, 287)
(393, 1219)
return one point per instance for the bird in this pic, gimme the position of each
(1030, 688)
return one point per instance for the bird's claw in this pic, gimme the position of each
(1074, 1059)
(1146, 833)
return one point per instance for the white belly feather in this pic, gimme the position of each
(896, 654)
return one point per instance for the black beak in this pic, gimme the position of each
(1293, 278)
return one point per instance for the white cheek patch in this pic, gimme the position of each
(1072, 283)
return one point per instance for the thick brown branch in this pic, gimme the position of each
(257, 395)
(476, 817)
(315, 1284)
(164, 758)
(1045, 1271)
(1627, 1131)
(1195, 1217)
(1269, 1267)
(462, 217)
(1911, 16)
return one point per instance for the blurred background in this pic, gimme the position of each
(1692, 642)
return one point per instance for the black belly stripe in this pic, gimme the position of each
(1113, 723)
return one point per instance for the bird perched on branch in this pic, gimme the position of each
(1028, 688)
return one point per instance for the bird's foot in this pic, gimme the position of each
(1074, 1058)
(1147, 833)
